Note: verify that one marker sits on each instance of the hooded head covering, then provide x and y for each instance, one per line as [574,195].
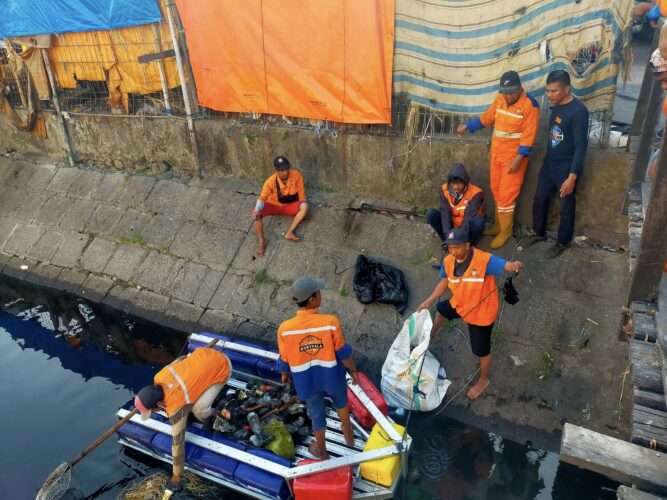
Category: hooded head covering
[458,171]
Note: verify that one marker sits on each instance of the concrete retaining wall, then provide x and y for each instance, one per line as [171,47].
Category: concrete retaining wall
[353,164]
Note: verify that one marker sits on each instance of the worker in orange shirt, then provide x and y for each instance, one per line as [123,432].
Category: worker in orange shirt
[469,274]
[189,384]
[515,116]
[314,355]
[283,194]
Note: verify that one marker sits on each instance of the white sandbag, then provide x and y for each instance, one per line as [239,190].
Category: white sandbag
[400,370]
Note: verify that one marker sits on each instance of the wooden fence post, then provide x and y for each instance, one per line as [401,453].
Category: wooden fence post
[653,245]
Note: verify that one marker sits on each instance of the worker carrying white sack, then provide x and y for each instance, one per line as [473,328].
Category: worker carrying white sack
[409,364]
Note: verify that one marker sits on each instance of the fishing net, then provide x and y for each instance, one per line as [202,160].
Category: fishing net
[56,484]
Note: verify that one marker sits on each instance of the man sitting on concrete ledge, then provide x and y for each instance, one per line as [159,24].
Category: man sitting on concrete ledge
[461,205]
[283,194]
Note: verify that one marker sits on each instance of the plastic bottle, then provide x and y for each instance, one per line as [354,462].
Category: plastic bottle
[255,425]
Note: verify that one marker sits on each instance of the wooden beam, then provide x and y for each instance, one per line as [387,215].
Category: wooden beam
[156,56]
[619,460]
[653,246]
[649,427]
[647,133]
[628,493]
[645,90]
[649,399]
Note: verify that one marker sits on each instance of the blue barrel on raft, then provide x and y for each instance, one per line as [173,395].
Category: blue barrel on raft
[241,361]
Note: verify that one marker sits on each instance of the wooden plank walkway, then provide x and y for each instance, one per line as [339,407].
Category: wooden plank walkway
[649,411]
[617,459]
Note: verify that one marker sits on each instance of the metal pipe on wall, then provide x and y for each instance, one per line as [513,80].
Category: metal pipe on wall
[184,87]
[56,104]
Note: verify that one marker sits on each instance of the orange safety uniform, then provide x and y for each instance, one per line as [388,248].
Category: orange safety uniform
[474,295]
[515,128]
[292,186]
[311,346]
[184,380]
[459,209]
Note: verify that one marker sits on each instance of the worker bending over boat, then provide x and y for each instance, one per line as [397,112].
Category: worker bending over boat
[313,350]
[468,272]
[189,384]
[283,194]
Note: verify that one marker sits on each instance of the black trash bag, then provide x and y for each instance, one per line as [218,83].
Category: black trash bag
[375,281]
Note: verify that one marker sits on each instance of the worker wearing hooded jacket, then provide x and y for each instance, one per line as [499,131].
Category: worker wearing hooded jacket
[190,383]
[515,116]
[461,205]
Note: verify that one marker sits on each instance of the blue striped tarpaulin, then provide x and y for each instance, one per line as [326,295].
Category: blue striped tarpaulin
[449,54]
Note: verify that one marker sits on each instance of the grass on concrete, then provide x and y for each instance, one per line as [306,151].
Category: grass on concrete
[135,238]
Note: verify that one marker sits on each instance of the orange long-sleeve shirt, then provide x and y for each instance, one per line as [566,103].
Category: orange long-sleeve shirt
[293,185]
[515,126]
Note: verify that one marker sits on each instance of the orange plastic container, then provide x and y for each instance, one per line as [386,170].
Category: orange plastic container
[335,484]
[360,412]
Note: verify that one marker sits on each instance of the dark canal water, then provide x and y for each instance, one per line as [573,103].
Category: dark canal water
[66,366]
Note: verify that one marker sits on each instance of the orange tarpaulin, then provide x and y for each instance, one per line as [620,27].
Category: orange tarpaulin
[325,60]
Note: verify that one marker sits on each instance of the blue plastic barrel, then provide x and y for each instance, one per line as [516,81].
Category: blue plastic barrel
[209,461]
[162,444]
[259,480]
[137,434]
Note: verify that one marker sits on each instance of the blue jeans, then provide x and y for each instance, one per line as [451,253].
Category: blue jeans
[475,229]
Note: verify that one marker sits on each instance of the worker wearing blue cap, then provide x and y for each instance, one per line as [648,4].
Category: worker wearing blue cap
[469,273]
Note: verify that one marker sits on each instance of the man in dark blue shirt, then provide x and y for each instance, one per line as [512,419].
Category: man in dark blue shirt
[563,163]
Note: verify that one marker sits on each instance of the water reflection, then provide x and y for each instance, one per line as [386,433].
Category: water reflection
[455,462]
[66,366]
[79,324]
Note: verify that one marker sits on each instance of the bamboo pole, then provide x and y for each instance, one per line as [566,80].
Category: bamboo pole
[56,103]
[184,87]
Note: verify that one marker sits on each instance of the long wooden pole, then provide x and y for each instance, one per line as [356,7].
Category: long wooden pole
[56,104]
[184,87]
[653,245]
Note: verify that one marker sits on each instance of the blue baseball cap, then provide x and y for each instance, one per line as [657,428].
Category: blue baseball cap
[457,236]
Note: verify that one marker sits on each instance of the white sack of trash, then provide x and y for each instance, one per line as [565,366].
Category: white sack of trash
[401,369]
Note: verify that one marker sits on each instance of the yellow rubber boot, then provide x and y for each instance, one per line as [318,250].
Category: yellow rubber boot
[495,229]
[506,221]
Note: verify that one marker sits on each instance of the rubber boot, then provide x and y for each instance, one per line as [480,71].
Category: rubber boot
[506,221]
[495,229]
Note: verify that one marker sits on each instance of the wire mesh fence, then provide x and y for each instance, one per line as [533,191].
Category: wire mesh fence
[132,72]
[16,86]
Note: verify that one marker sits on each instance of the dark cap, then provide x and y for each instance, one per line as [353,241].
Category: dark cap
[147,399]
[457,236]
[281,163]
[509,82]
